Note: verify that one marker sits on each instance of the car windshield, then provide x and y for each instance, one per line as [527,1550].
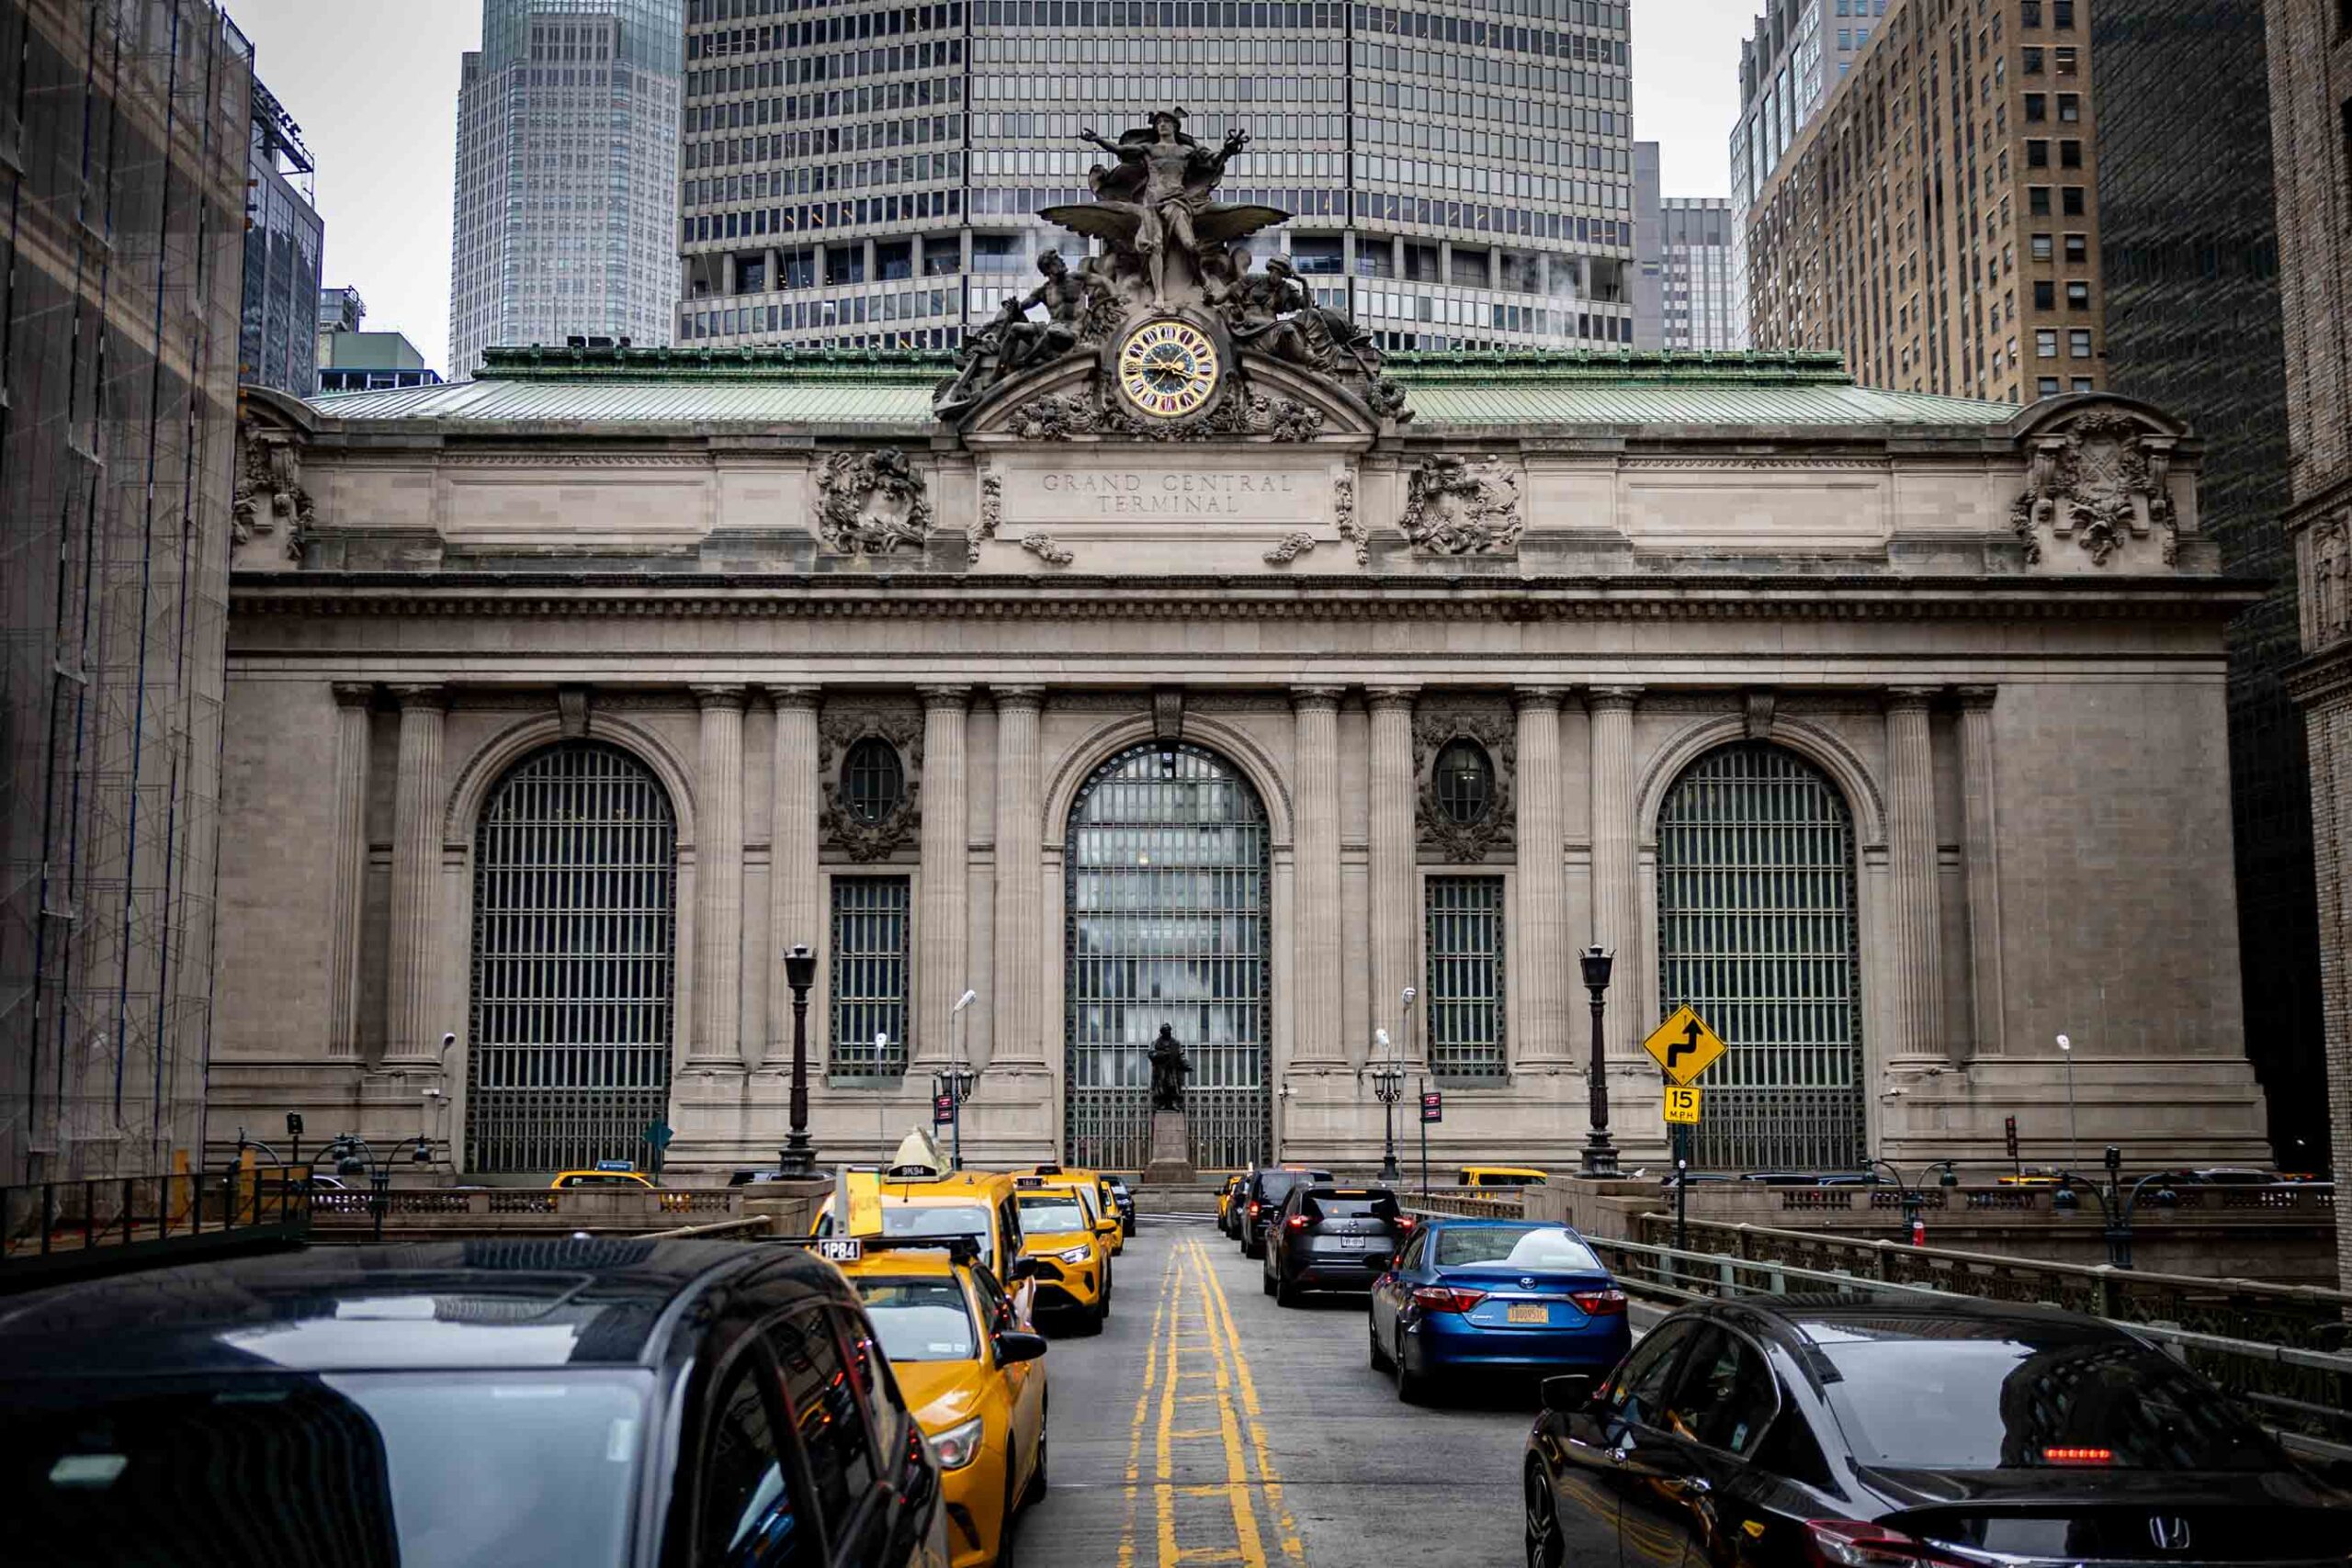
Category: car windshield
[1514,1246]
[2024,1404]
[1276,1184]
[601,1179]
[1051,1213]
[926,1219]
[919,1320]
[415,1468]
[1372,1205]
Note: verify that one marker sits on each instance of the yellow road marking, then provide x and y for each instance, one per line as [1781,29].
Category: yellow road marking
[1143,1411]
[1237,1466]
[1222,1317]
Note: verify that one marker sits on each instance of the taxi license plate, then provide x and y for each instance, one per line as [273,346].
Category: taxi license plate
[1529,1314]
[843,1249]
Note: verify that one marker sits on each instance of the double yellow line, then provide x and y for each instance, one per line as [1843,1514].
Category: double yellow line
[1195,1341]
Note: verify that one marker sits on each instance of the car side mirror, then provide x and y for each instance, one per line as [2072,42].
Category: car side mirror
[1025,1269]
[1018,1345]
[1567,1394]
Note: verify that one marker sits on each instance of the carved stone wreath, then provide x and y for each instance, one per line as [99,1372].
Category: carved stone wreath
[1058,416]
[869,504]
[992,515]
[838,730]
[1456,507]
[1497,734]
[2104,480]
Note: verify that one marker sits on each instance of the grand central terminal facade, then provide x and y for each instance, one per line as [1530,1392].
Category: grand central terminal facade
[1174,660]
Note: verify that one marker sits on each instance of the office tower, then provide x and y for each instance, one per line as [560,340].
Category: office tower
[340,310]
[277,343]
[867,175]
[2309,57]
[127,179]
[351,360]
[1937,220]
[567,195]
[1800,51]
[1683,284]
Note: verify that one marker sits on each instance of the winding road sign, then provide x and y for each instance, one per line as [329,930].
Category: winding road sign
[1684,1045]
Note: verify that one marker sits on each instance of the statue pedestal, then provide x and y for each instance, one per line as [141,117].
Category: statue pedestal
[1172,1152]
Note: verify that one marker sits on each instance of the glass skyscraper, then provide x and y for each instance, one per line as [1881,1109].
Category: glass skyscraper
[864,174]
[567,195]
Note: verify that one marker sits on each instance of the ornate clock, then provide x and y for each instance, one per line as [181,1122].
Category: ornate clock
[1167,369]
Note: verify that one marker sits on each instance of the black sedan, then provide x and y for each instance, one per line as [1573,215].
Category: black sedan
[1884,1432]
[1332,1239]
[566,1401]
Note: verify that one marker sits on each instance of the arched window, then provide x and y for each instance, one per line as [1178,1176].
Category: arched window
[574,961]
[1464,779]
[1756,930]
[873,780]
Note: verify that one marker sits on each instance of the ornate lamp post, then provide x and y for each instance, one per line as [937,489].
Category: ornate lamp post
[1599,1153]
[353,1155]
[1388,1083]
[799,1156]
[957,1080]
[2114,1204]
[1915,1229]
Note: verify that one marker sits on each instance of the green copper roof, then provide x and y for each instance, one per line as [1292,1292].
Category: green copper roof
[891,390]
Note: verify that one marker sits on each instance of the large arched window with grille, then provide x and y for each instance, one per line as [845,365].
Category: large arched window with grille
[1756,930]
[574,961]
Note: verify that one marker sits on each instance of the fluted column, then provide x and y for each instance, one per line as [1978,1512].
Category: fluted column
[1540,890]
[719,879]
[796,896]
[1393,906]
[350,868]
[1981,783]
[1315,1029]
[410,1032]
[941,935]
[1614,894]
[1915,985]
[1016,976]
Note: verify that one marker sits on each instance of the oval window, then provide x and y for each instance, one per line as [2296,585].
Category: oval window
[1465,783]
[873,783]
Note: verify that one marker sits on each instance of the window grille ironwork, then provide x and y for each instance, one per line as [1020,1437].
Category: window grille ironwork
[1757,931]
[1168,877]
[574,962]
[872,939]
[873,780]
[1464,776]
[1465,947]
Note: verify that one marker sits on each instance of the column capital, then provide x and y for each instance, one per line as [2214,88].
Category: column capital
[799,699]
[1901,697]
[352,693]
[1030,697]
[1380,697]
[937,697]
[1525,697]
[1604,699]
[715,696]
[1978,696]
[421,695]
[1311,699]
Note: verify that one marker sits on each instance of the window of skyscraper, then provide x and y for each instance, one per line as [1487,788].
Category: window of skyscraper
[2078,343]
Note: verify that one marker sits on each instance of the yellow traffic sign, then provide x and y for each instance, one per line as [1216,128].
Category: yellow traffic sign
[1682,1103]
[1684,1045]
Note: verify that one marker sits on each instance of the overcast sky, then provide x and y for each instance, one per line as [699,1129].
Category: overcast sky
[373,84]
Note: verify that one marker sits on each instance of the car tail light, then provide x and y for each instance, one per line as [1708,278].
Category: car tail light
[1296,1222]
[1253,1208]
[1850,1543]
[1601,1304]
[1404,1221]
[2078,1456]
[1446,1298]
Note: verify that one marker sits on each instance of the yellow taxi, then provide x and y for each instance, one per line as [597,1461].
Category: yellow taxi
[916,1195]
[1224,1203]
[971,1370]
[1106,1205]
[609,1173]
[1501,1176]
[1062,1240]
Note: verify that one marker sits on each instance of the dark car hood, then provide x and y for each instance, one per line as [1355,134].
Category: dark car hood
[1911,1489]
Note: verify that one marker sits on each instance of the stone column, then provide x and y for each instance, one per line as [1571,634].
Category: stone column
[718,880]
[350,868]
[1018,1007]
[1541,887]
[1615,895]
[411,1035]
[1315,1022]
[1981,782]
[940,950]
[1916,981]
[796,891]
[1393,906]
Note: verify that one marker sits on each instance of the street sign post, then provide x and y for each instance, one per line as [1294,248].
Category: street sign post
[1433,1109]
[2009,1129]
[1683,1104]
[1683,1046]
[658,1134]
[943,1109]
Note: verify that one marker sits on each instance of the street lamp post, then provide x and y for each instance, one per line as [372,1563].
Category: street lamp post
[2073,1139]
[799,1156]
[2116,1205]
[353,1155]
[957,1080]
[1388,1083]
[1600,1155]
[1915,1229]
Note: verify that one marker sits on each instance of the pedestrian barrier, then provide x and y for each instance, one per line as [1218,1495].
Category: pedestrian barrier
[55,1229]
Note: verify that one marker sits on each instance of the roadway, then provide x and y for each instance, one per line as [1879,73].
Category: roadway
[1207,1425]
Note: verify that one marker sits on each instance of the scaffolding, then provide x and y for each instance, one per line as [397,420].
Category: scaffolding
[124,129]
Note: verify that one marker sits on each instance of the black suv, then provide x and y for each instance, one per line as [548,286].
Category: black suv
[1261,1195]
[1332,1239]
[607,1401]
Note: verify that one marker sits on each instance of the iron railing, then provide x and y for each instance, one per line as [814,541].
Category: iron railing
[53,1229]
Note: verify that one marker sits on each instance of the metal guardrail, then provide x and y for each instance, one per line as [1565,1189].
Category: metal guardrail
[2314,1200]
[53,1229]
[600,1203]
[1481,1202]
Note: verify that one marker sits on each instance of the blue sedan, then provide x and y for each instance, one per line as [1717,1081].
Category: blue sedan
[1495,1295]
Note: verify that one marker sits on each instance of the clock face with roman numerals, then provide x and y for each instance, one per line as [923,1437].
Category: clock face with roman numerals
[1167,369]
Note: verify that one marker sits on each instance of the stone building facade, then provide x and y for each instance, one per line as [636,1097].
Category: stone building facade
[1887,728]
[2310,60]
